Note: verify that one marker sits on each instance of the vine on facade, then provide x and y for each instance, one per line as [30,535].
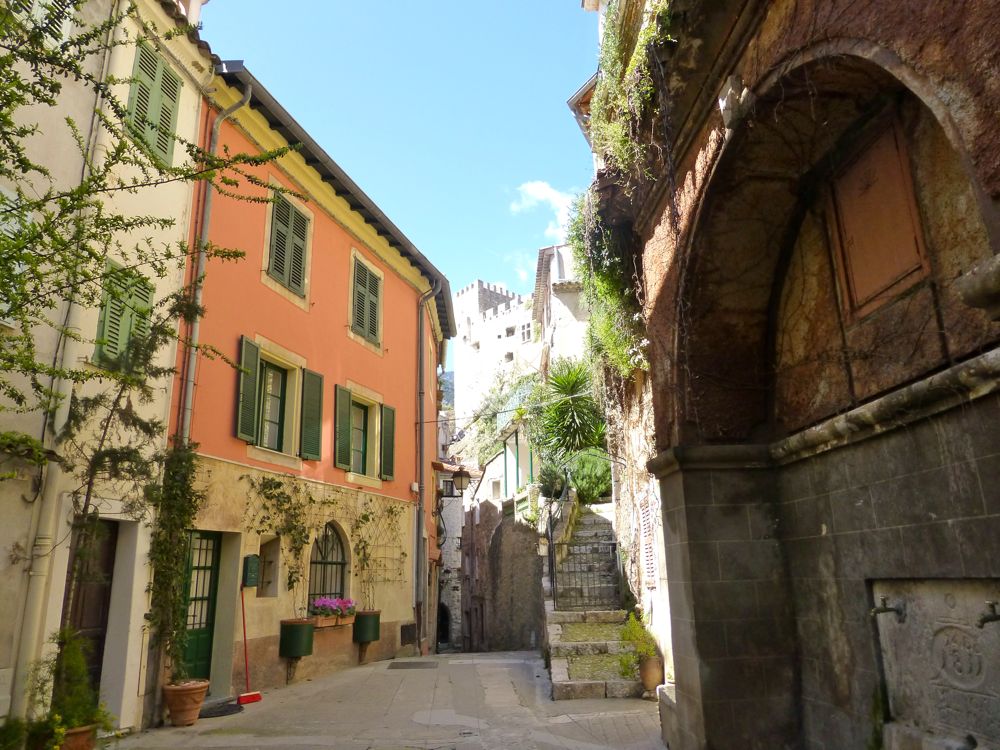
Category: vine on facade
[612,288]
[625,88]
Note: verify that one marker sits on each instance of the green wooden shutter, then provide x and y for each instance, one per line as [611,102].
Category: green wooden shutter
[297,259]
[141,304]
[58,19]
[311,430]
[388,453]
[360,298]
[144,97]
[342,430]
[153,102]
[116,316]
[374,298]
[246,405]
[166,117]
[281,220]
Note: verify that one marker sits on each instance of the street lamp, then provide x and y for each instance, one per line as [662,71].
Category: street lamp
[461,479]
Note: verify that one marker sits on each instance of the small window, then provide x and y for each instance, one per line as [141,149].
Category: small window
[365,436]
[448,488]
[510,331]
[508,357]
[153,101]
[271,425]
[526,332]
[125,313]
[475,346]
[359,438]
[327,565]
[270,556]
[366,302]
[287,249]
[878,237]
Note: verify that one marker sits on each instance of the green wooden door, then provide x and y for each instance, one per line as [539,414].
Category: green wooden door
[203,583]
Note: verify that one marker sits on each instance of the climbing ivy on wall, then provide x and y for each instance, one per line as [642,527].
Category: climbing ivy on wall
[625,87]
[611,287]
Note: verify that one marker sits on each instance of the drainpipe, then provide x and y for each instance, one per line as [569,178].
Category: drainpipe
[206,213]
[420,577]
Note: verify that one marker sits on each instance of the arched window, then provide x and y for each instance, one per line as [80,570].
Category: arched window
[327,565]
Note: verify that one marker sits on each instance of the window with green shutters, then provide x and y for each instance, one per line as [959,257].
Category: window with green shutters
[125,313]
[366,302]
[153,101]
[287,261]
[56,16]
[354,427]
[262,413]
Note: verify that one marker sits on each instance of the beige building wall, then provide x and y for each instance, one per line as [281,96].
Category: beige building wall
[24,520]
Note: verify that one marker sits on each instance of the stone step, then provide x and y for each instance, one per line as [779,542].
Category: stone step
[591,533]
[564,688]
[576,565]
[577,648]
[582,581]
[558,616]
[593,519]
[590,548]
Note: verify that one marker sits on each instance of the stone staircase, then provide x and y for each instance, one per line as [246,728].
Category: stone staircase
[582,635]
[587,568]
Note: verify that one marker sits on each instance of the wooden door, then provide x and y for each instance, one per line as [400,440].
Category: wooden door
[92,596]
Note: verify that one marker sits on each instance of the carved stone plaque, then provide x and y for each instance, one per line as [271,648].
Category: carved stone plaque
[941,670]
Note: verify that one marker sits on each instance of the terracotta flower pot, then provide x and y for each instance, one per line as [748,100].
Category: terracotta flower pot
[650,672]
[184,701]
[80,738]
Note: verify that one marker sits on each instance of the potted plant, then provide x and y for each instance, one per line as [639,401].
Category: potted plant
[649,661]
[176,502]
[74,713]
[330,611]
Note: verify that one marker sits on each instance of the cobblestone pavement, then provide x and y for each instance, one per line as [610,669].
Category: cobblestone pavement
[453,702]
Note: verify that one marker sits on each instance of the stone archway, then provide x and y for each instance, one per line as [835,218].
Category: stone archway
[766,190]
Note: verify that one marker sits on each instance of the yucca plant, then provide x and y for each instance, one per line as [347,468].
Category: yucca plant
[571,420]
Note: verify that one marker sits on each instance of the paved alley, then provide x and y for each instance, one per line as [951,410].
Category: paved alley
[453,702]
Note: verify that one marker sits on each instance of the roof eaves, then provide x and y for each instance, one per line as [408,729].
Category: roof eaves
[281,120]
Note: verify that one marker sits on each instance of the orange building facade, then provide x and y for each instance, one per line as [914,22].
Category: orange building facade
[331,330]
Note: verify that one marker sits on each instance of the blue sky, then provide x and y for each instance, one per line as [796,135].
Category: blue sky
[451,114]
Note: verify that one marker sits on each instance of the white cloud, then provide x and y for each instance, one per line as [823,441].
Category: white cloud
[522,263]
[540,193]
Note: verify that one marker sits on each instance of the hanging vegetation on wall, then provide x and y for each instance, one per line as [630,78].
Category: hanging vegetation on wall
[612,288]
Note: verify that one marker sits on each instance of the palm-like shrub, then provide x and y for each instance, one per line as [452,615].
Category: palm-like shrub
[571,420]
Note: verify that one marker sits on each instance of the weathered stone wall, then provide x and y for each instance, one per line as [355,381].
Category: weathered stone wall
[776,545]
[920,502]
[514,589]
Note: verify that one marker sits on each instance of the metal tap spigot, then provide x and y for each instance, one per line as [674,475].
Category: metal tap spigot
[990,615]
[884,608]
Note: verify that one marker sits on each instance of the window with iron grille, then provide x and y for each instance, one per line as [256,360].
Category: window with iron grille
[327,565]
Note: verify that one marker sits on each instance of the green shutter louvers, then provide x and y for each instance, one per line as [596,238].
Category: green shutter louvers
[311,429]
[289,231]
[388,449]
[342,429]
[125,313]
[153,102]
[246,404]
[366,301]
